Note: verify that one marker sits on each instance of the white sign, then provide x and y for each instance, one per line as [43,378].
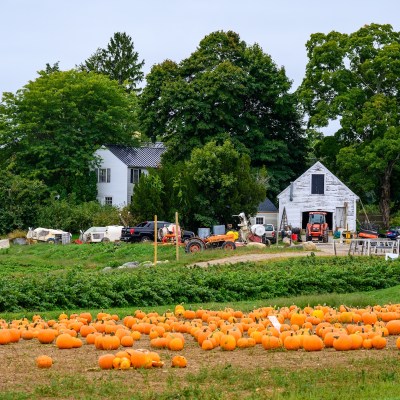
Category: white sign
[274,321]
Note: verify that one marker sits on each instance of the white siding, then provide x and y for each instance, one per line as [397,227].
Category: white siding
[117,188]
[336,196]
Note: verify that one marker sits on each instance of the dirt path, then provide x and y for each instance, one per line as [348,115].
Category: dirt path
[323,250]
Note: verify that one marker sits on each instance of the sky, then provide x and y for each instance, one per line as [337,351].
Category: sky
[34,33]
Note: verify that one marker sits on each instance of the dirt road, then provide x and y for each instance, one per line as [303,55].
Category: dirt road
[323,250]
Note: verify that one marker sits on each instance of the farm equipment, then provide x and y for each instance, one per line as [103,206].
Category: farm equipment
[225,242]
[317,227]
[247,233]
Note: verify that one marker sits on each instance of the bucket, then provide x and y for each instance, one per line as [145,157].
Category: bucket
[203,232]
[294,237]
[219,229]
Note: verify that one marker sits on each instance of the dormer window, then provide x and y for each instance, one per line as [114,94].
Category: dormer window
[317,184]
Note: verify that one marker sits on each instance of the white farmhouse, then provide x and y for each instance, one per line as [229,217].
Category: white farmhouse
[120,170]
[318,190]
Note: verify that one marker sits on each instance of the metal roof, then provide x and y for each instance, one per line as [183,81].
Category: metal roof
[145,156]
[267,206]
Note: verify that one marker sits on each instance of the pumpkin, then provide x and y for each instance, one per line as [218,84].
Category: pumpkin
[110,342]
[270,342]
[44,361]
[312,343]
[106,361]
[64,341]
[127,341]
[179,362]
[5,336]
[176,344]
[46,336]
[342,342]
[291,342]
[228,342]
[379,342]
[393,327]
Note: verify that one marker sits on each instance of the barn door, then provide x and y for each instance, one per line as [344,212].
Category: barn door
[340,217]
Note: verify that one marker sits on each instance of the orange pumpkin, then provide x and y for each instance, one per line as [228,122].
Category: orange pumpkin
[179,362]
[106,361]
[44,361]
[312,343]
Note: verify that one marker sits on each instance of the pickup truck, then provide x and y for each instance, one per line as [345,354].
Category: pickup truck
[144,232]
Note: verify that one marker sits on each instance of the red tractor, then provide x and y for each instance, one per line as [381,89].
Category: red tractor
[317,227]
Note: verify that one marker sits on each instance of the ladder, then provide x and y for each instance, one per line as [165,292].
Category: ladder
[284,221]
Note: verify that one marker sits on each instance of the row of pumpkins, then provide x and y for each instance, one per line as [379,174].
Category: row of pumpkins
[290,328]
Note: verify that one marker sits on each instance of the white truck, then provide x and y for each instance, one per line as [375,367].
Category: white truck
[103,234]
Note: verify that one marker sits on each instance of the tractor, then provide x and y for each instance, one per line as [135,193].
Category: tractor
[317,227]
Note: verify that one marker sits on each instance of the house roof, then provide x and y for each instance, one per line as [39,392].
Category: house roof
[318,167]
[143,156]
[267,206]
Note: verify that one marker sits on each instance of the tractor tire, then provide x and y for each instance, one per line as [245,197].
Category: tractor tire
[105,240]
[194,246]
[51,241]
[228,245]
[308,238]
[325,237]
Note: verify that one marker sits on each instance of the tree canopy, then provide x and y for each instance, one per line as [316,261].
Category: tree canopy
[119,61]
[50,129]
[355,77]
[226,90]
[214,184]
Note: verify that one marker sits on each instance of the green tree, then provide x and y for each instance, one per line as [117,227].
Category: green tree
[50,129]
[147,198]
[226,90]
[223,184]
[354,77]
[20,199]
[119,61]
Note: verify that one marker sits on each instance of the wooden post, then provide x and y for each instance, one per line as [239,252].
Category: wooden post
[177,235]
[155,240]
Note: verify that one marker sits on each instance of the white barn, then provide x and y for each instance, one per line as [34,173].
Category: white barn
[120,170]
[318,190]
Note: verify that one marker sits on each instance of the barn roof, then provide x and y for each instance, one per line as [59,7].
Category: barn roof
[318,167]
[144,156]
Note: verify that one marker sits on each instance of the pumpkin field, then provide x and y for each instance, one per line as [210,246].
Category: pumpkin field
[304,328]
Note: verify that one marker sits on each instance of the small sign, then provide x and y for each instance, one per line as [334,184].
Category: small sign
[274,321]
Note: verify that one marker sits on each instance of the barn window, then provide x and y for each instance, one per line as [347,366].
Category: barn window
[135,175]
[260,220]
[317,184]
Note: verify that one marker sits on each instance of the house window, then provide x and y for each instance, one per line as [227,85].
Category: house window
[260,220]
[108,201]
[317,184]
[135,175]
[103,175]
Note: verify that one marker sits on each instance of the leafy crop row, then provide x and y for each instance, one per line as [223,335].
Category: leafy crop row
[165,284]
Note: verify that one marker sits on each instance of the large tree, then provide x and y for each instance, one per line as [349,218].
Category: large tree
[355,78]
[226,90]
[119,61]
[50,129]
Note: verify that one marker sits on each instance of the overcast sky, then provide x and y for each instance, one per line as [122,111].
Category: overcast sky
[33,33]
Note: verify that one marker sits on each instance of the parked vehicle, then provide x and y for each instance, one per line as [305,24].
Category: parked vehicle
[104,234]
[144,232]
[270,233]
[317,227]
[393,233]
[48,235]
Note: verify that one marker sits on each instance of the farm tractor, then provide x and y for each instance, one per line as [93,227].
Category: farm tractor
[317,227]
[246,234]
